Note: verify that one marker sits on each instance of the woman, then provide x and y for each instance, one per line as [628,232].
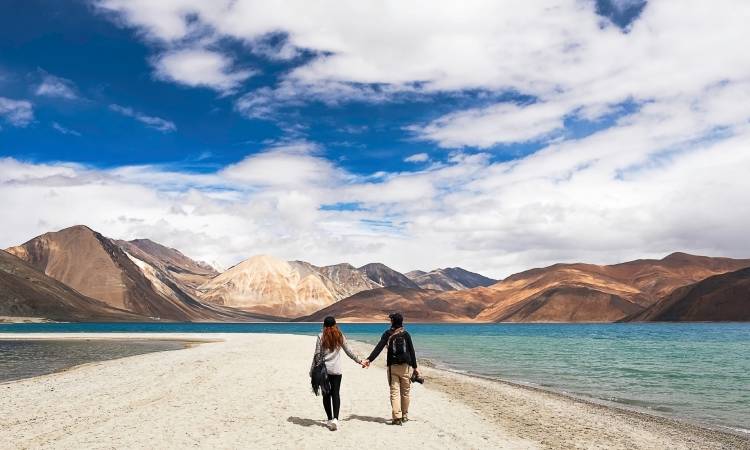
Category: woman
[329,345]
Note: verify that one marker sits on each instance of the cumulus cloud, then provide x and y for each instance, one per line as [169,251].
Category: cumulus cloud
[289,164]
[157,123]
[609,197]
[52,86]
[18,113]
[200,67]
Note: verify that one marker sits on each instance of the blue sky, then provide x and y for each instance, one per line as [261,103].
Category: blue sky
[105,64]
[492,136]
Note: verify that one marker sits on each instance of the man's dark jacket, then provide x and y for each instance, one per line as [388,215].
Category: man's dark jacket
[410,356]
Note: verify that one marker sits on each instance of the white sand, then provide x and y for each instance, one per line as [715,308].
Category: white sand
[240,393]
[252,391]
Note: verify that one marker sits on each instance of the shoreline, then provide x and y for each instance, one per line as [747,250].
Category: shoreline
[71,365]
[618,408]
[526,413]
[592,401]
[446,378]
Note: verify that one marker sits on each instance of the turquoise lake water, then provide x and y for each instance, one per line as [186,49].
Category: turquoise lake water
[696,371]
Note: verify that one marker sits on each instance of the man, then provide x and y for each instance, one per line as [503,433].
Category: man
[401,360]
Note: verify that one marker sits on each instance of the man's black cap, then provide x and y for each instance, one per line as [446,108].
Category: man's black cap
[396,319]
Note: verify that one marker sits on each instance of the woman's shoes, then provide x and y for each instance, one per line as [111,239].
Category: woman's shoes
[333,425]
[397,422]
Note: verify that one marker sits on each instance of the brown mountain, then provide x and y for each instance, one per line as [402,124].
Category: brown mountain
[348,279]
[449,279]
[417,305]
[656,278]
[724,297]
[561,293]
[593,293]
[267,285]
[26,292]
[386,277]
[98,268]
[189,272]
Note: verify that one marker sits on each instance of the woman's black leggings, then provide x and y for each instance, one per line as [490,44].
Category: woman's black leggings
[333,399]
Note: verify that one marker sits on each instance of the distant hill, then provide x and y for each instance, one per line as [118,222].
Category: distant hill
[189,272]
[82,275]
[26,292]
[269,285]
[347,279]
[386,277]
[99,268]
[559,293]
[170,272]
[449,279]
[656,278]
[719,298]
[417,305]
[593,293]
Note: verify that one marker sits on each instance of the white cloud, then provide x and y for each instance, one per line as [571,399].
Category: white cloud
[417,158]
[500,124]
[64,130]
[200,67]
[609,197]
[18,113]
[290,164]
[157,123]
[52,86]
[558,52]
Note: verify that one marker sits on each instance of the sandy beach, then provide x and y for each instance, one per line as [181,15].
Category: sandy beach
[252,391]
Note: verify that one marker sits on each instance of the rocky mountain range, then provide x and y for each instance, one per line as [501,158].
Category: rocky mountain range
[450,279]
[103,269]
[27,292]
[78,274]
[290,289]
[417,305]
[720,298]
[559,293]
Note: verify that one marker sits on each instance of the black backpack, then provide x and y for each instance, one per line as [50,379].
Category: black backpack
[399,352]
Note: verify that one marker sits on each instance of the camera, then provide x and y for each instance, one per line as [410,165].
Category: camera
[416,378]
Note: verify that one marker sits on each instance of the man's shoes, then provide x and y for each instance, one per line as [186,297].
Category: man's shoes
[397,422]
[405,419]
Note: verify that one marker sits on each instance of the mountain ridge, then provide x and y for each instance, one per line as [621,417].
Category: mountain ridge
[150,280]
[720,298]
[98,267]
[449,279]
[27,292]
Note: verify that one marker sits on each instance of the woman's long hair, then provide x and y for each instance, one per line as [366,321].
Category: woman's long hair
[332,338]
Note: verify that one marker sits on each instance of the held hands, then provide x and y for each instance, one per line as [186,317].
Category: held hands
[365,363]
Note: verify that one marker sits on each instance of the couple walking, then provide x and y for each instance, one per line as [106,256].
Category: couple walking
[401,360]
